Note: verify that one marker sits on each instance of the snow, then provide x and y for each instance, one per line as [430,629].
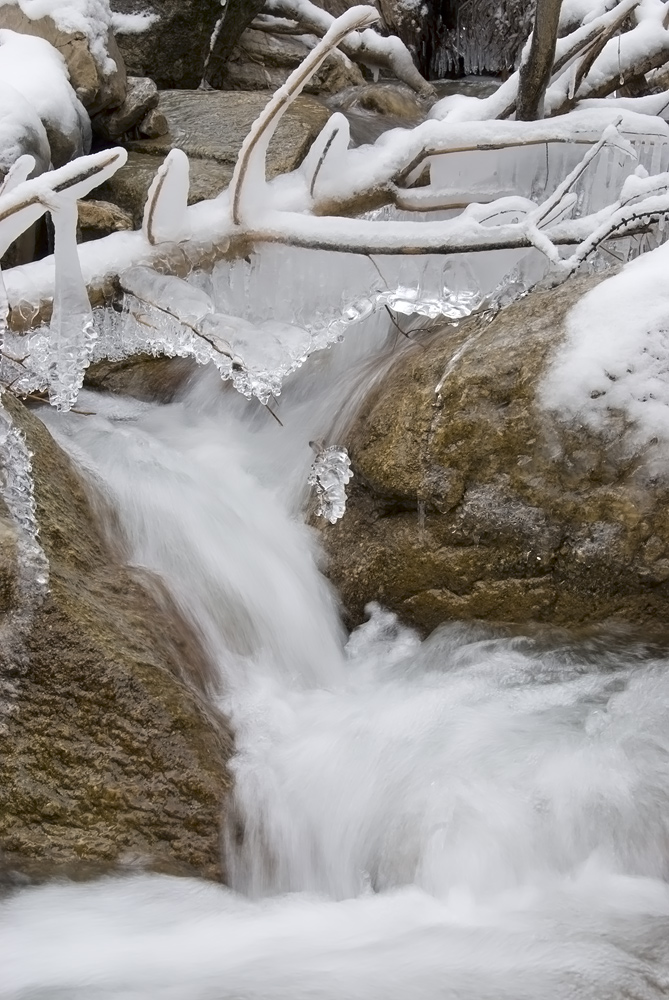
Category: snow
[132,24]
[21,131]
[615,357]
[93,18]
[38,71]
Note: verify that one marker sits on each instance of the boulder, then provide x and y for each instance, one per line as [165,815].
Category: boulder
[263,61]
[470,501]
[141,98]
[84,39]
[174,49]
[110,755]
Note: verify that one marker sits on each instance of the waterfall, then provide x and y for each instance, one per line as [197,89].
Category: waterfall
[470,816]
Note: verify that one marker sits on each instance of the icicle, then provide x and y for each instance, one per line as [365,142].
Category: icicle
[329,474]
[16,488]
[72,330]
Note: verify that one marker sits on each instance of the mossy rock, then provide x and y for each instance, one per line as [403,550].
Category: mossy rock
[111,754]
[471,502]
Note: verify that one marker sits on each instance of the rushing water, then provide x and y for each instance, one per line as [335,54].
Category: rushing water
[472,816]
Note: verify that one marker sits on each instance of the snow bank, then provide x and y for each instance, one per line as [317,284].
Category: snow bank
[616,353]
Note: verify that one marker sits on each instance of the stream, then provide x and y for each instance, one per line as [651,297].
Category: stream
[469,816]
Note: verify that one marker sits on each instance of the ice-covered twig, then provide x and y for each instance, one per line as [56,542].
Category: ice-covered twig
[366,47]
[23,204]
[167,201]
[250,167]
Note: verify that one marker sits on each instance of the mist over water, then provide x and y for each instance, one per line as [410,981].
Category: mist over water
[471,816]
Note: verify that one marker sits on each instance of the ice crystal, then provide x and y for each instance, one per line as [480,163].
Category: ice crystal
[329,474]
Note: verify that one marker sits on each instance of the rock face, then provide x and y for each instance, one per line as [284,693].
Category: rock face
[109,754]
[473,503]
[210,127]
[174,50]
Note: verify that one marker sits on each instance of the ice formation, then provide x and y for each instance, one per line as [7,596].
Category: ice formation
[329,475]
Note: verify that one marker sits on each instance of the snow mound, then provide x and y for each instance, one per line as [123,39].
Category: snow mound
[616,354]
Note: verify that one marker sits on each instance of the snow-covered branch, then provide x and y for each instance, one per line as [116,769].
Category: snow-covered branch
[366,47]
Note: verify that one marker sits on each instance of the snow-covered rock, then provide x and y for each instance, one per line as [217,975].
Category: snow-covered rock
[38,71]
[21,131]
[81,31]
[472,500]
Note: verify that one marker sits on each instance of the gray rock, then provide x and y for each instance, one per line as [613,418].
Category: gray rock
[477,504]
[141,97]
[110,755]
[213,125]
[153,125]
[174,50]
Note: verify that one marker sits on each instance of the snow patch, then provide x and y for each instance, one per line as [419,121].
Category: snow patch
[132,24]
[616,354]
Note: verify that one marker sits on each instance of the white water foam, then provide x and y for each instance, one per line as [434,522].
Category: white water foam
[472,816]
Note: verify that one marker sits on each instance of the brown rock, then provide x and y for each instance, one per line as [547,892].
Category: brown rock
[153,125]
[474,503]
[100,218]
[110,755]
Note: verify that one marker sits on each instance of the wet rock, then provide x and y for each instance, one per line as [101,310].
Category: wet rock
[110,756]
[154,380]
[100,218]
[174,49]
[263,61]
[472,502]
[141,97]
[98,77]
[393,99]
